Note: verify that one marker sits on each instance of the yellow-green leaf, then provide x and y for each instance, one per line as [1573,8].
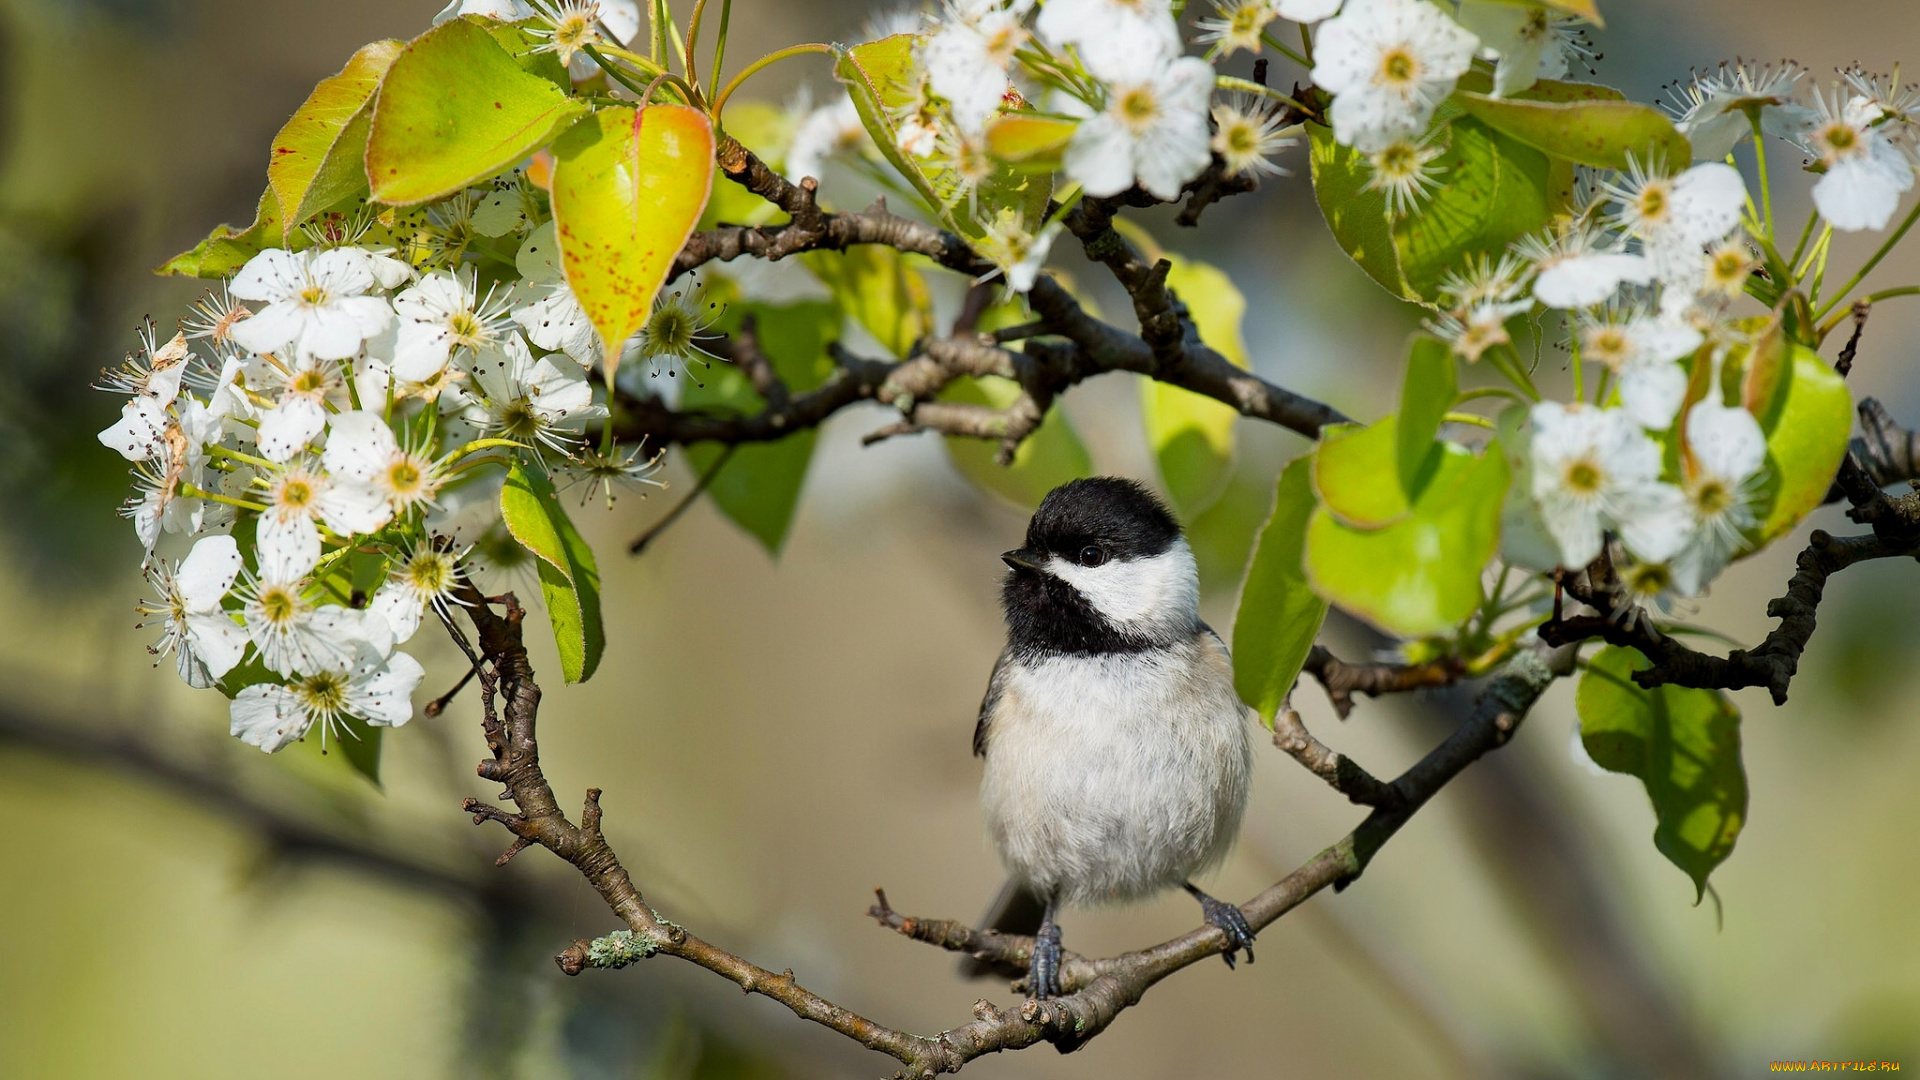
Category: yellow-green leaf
[1030,139]
[1419,575]
[628,189]
[1683,744]
[319,157]
[1431,386]
[569,577]
[454,109]
[1490,189]
[1279,613]
[1806,440]
[1356,475]
[1604,134]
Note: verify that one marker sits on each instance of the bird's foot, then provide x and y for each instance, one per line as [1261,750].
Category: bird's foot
[1043,975]
[1230,921]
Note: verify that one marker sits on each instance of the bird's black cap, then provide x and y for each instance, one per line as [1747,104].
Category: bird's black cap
[1124,517]
[1048,616]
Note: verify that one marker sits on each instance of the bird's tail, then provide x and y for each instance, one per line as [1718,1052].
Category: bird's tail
[1017,910]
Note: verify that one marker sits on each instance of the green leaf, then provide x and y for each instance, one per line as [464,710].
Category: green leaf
[569,578]
[1049,457]
[759,487]
[1430,390]
[1420,575]
[319,157]
[454,109]
[1480,81]
[1491,189]
[1355,473]
[1806,441]
[521,43]
[1279,613]
[1603,134]
[1191,434]
[1031,140]
[226,250]
[879,76]
[628,189]
[880,287]
[1683,744]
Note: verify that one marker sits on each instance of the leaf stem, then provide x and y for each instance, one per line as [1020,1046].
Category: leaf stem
[719,48]
[1801,247]
[1273,42]
[720,100]
[693,41]
[1760,162]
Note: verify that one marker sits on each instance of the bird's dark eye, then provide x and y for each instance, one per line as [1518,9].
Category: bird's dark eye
[1092,555]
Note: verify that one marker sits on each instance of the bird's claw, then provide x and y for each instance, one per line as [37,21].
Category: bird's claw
[1230,921]
[1043,974]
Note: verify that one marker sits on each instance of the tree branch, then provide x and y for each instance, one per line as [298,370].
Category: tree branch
[1342,680]
[1099,990]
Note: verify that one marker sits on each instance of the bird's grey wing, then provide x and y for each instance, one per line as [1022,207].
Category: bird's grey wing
[995,684]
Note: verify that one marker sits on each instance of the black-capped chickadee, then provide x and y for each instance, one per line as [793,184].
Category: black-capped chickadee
[1116,748]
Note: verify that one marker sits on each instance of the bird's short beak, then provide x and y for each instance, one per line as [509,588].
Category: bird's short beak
[1023,559]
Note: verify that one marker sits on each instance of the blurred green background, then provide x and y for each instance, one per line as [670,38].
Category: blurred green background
[777,737]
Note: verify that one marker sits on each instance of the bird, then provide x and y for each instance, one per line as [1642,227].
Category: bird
[1115,747]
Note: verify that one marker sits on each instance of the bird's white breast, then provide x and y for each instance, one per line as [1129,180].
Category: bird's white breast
[1113,776]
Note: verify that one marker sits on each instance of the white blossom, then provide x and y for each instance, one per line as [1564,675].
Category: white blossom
[544,402]
[1593,470]
[1714,107]
[1643,353]
[1722,477]
[205,641]
[361,449]
[1247,135]
[1153,131]
[966,61]
[1673,216]
[440,318]
[370,686]
[1308,11]
[1017,252]
[316,304]
[424,574]
[546,309]
[1388,63]
[1531,43]
[1572,270]
[297,636]
[1236,25]
[141,430]
[1866,174]
[154,372]
[1116,39]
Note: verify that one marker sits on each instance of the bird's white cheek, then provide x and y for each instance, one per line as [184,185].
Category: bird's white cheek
[1138,593]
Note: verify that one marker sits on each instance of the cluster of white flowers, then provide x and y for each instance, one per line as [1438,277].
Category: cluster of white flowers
[337,411]
[1145,112]
[1859,132]
[1646,269]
